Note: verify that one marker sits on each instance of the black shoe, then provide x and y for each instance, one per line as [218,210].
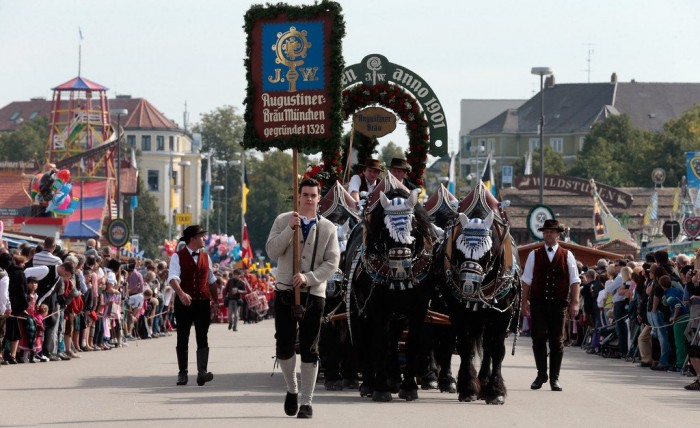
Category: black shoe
[229,326]
[305,412]
[643,364]
[182,378]
[660,368]
[555,385]
[539,381]
[204,377]
[291,405]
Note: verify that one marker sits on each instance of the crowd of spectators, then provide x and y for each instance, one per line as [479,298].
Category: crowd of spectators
[56,304]
[646,312]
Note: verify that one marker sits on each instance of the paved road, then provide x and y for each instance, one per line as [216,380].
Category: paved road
[135,387]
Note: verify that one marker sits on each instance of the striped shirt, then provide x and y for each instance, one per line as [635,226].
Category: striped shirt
[45,258]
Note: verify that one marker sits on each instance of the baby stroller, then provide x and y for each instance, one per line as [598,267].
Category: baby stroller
[609,342]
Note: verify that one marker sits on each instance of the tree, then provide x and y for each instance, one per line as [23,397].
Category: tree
[553,163]
[222,132]
[679,136]
[149,223]
[28,142]
[390,151]
[270,194]
[616,153]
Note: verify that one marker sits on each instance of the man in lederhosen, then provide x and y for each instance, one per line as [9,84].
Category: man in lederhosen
[194,283]
[319,260]
[550,288]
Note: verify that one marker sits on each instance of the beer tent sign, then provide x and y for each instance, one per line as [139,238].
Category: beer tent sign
[294,65]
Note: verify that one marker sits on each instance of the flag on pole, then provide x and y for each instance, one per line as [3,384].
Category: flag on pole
[598,223]
[245,191]
[451,183]
[653,214]
[528,163]
[206,198]
[487,176]
[676,199]
[172,189]
[80,33]
[134,199]
[246,251]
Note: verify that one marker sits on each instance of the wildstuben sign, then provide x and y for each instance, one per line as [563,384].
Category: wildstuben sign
[579,186]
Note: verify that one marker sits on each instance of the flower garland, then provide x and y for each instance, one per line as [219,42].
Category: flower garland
[405,106]
[327,172]
[336,66]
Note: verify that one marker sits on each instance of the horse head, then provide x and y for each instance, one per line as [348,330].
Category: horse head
[473,251]
[396,235]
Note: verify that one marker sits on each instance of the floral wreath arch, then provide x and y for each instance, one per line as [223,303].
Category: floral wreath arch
[400,102]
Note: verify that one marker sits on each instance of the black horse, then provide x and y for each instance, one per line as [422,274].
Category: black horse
[388,260]
[481,285]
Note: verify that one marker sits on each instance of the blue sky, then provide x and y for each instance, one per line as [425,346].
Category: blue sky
[177,51]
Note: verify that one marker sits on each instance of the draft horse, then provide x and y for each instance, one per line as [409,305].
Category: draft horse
[480,277]
[389,258]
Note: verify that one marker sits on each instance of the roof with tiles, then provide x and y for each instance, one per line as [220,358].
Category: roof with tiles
[12,186]
[142,114]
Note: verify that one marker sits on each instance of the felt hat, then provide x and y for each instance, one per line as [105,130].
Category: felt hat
[551,225]
[399,163]
[374,164]
[191,232]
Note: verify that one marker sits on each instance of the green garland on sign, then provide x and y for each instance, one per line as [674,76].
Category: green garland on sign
[337,63]
[405,106]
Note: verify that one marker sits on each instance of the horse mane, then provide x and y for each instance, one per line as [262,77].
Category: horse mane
[375,229]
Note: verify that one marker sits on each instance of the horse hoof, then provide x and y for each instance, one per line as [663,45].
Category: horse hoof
[366,390]
[394,386]
[349,384]
[381,397]
[408,394]
[496,400]
[467,398]
[448,385]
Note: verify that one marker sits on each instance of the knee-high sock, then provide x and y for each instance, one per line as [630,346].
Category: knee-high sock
[289,371]
[309,371]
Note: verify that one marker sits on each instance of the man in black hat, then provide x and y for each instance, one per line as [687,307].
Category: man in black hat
[550,287]
[192,278]
[399,168]
[366,180]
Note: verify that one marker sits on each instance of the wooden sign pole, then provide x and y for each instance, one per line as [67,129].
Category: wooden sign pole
[296,250]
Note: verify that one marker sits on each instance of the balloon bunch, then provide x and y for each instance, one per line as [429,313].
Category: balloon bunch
[52,189]
[169,246]
[223,249]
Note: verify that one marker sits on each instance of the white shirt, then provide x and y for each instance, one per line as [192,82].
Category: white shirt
[570,263]
[356,182]
[5,294]
[175,268]
[611,287]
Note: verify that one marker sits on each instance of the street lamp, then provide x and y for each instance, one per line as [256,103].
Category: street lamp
[541,71]
[119,112]
[477,149]
[218,188]
[183,165]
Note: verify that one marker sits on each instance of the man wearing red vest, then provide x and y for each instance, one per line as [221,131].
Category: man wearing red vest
[194,283]
[550,287]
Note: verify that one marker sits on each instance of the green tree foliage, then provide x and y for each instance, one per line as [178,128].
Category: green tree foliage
[222,132]
[270,180]
[616,153]
[391,150]
[679,136]
[553,164]
[149,223]
[28,142]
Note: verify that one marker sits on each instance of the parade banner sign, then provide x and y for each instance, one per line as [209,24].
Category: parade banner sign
[294,69]
[374,122]
[692,160]
[580,186]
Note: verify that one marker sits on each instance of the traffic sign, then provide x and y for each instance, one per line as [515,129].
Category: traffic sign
[183,218]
